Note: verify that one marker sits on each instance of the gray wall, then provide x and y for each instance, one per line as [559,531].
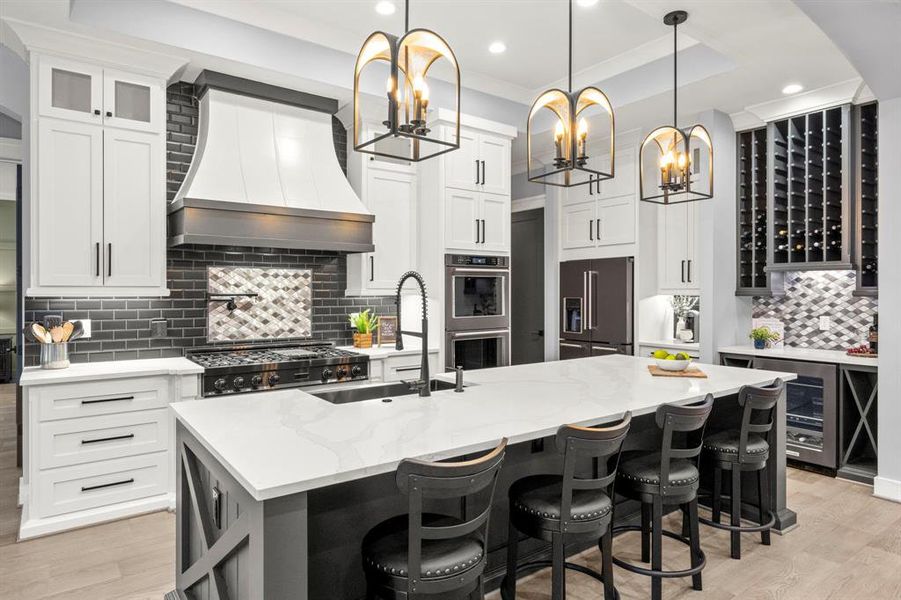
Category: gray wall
[10,128]
[122,325]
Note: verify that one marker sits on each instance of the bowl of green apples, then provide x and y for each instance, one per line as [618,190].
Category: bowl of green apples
[668,361]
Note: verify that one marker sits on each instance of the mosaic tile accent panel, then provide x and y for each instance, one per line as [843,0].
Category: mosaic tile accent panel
[282,310]
[812,294]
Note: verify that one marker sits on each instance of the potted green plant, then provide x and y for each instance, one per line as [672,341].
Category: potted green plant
[763,336]
[364,324]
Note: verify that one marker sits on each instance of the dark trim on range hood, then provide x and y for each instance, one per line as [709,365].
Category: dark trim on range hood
[264,91]
[215,222]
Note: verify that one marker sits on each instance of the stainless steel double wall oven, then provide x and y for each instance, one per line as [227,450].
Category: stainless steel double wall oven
[477,311]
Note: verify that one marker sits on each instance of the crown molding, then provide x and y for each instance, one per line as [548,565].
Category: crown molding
[843,92]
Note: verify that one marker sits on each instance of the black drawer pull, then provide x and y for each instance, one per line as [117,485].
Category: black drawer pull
[127,436]
[108,400]
[88,488]
[404,369]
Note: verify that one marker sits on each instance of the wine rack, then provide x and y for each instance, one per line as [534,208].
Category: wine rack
[867,199]
[752,212]
[810,192]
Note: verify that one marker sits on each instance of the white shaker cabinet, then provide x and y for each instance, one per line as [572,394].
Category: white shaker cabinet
[677,264]
[97,203]
[480,164]
[590,220]
[461,166]
[477,222]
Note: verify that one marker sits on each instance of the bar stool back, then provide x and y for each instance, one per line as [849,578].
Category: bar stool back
[423,553]
[664,477]
[745,449]
[547,507]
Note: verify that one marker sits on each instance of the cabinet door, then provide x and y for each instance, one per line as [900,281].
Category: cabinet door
[494,162]
[578,215]
[495,215]
[390,196]
[461,167]
[134,204]
[673,244]
[70,90]
[68,218]
[615,221]
[692,268]
[461,220]
[132,102]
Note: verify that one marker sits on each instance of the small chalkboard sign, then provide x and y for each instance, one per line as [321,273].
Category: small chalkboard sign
[387,330]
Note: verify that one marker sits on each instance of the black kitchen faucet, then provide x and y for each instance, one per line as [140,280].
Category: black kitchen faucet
[423,383]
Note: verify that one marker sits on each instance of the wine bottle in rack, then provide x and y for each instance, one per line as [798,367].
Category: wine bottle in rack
[782,247]
[799,247]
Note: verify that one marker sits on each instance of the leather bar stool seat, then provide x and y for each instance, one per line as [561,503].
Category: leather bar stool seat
[723,446]
[385,550]
[640,472]
[539,496]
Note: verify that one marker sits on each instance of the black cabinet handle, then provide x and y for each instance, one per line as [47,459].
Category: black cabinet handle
[483,172]
[97,259]
[683,271]
[477,171]
[371,268]
[109,113]
[590,231]
[97,111]
[483,231]
[217,507]
[109,439]
[109,260]
[689,271]
[597,182]
[591,185]
[108,400]
[597,225]
[477,231]
[88,488]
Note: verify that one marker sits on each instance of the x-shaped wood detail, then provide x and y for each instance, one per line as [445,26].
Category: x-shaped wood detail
[864,410]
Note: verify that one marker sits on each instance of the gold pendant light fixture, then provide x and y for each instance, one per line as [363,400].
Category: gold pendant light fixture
[676,165]
[581,127]
[407,67]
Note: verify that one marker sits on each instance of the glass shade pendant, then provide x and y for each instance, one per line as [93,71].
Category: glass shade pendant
[570,135]
[676,165]
[404,68]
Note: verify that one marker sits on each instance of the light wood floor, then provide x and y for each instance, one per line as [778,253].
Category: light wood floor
[848,546]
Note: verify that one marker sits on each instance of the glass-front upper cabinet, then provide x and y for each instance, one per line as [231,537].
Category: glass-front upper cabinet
[91,94]
[70,90]
[131,102]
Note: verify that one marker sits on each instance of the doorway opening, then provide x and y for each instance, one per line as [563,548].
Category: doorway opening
[527,287]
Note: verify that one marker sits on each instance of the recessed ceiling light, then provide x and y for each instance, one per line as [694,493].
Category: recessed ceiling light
[497,47]
[586,3]
[385,8]
[792,88]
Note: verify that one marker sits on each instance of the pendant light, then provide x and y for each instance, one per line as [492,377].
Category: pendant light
[405,68]
[581,127]
[676,165]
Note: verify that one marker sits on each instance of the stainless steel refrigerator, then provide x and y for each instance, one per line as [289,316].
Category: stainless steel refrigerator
[596,307]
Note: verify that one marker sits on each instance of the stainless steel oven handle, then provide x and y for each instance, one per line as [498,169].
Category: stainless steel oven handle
[592,324]
[488,332]
[565,345]
[476,270]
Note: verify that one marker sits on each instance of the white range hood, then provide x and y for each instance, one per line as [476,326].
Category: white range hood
[265,173]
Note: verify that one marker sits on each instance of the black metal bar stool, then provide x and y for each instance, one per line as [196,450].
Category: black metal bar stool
[550,507]
[741,450]
[662,478]
[421,553]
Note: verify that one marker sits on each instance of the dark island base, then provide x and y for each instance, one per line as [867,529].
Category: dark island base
[307,545]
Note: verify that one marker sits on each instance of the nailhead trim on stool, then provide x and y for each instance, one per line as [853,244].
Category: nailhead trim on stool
[577,517]
[438,573]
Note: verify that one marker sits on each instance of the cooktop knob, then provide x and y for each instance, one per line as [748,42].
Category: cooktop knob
[219,384]
[327,374]
[256,381]
[238,382]
[356,371]
[342,372]
[273,379]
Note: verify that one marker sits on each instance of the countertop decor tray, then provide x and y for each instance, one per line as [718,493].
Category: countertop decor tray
[695,373]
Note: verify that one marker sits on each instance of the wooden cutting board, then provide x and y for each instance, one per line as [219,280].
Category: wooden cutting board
[690,372]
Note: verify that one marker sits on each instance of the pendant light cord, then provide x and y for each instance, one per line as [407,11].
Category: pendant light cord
[406,16]
[675,74]
[570,84]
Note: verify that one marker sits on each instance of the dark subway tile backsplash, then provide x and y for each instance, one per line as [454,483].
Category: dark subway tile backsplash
[121,326]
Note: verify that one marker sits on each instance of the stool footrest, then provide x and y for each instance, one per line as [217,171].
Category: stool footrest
[740,528]
[653,572]
[541,564]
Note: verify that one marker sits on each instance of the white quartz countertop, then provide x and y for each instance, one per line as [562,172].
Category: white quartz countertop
[283,442]
[111,369]
[410,347]
[667,344]
[838,357]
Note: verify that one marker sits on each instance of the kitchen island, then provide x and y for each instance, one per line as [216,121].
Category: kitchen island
[276,489]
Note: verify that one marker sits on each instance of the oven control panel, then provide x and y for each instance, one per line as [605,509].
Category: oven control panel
[470,260]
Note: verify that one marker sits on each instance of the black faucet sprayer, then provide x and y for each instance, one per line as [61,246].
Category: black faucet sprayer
[424,334]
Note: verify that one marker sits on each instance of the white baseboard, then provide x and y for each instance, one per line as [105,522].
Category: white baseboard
[30,528]
[888,489]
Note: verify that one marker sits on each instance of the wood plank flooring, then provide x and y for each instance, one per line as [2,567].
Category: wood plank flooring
[847,546]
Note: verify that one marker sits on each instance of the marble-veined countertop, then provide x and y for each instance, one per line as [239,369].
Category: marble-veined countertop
[282,442]
[838,357]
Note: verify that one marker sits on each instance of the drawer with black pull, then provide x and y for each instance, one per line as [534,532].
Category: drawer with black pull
[76,441]
[85,399]
[98,484]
